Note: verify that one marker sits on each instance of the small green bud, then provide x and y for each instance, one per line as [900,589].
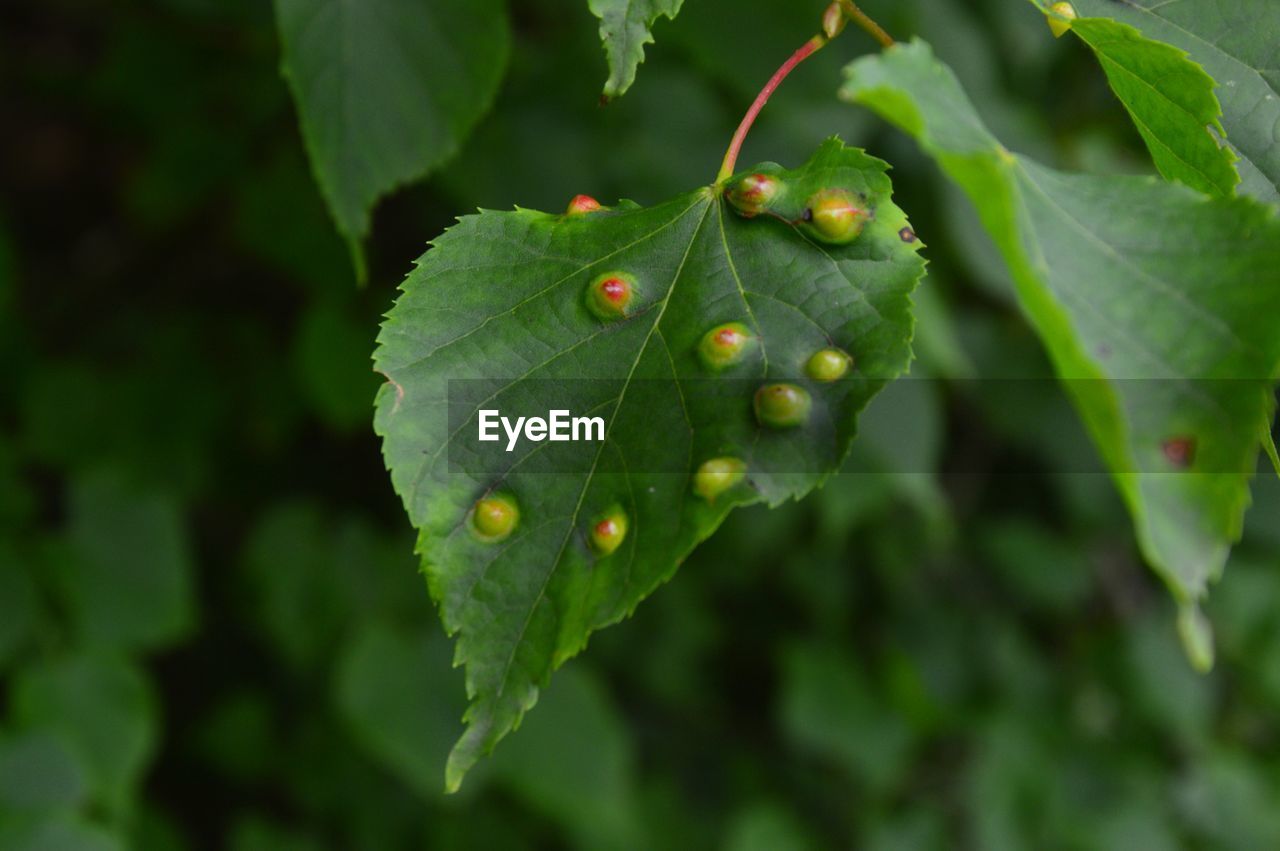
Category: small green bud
[582,204]
[609,295]
[828,364]
[782,405]
[836,216]
[609,531]
[724,345]
[751,195]
[717,475]
[1060,16]
[833,20]
[494,517]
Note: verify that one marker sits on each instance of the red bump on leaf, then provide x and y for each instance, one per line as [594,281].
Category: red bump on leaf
[752,194]
[836,216]
[610,294]
[582,204]
[1179,451]
[724,345]
[609,531]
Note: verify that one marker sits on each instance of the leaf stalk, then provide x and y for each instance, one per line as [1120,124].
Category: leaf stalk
[850,11]
[859,17]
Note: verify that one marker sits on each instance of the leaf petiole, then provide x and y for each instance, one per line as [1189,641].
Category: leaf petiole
[806,50]
[850,11]
[859,17]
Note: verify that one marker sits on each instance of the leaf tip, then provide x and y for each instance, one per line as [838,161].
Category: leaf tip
[1196,633]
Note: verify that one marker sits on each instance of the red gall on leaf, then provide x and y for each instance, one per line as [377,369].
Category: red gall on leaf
[582,204]
[610,294]
[724,345]
[752,194]
[836,216]
[608,531]
[1179,451]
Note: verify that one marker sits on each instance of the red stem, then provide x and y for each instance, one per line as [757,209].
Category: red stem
[731,156]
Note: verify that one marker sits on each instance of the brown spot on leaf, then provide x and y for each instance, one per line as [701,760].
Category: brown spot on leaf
[907,235]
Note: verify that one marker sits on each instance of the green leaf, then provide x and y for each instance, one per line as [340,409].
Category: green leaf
[1157,306]
[387,89]
[574,761]
[625,30]
[766,826]
[1171,101]
[127,580]
[830,709]
[311,575]
[20,607]
[330,361]
[39,772]
[56,833]
[102,708]
[1235,42]
[500,299]
[396,690]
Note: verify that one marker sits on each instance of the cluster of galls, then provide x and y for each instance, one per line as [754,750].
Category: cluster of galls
[777,405]
[834,216]
[495,517]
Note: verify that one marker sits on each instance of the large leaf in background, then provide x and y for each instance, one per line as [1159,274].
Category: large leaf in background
[1171,101]
[59,832]
[572,759]
[1157,305]
[625,30]
[386,90]
[127,581]
[500,297]
[1235,41]
[102,708]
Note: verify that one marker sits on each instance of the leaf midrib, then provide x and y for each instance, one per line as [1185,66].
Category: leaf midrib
[430,461]
[586,483]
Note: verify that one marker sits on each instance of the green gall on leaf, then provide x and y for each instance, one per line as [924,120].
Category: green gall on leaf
[836,216]
[829,365]
[782,405]
[581,204]
[494,518]
[725,345]
[1060,16]
[610,294]
[752,194]
[608,531]
[718,475]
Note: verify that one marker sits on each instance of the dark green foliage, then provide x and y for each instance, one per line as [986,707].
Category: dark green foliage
[213,628]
